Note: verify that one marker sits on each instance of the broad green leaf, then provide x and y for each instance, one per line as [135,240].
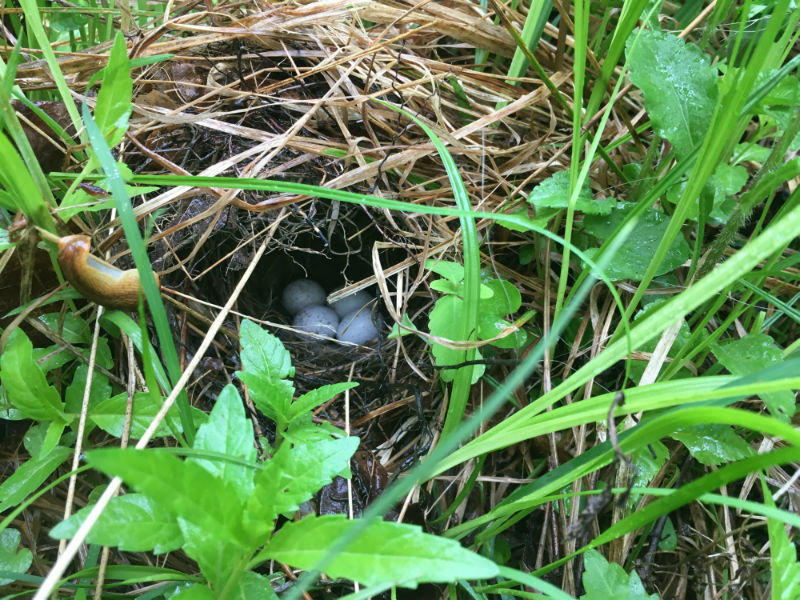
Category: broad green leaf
[713,444]
[218,557]
[632,259]
[648,461]
[292,476]
[114,98]
[25,383]
[252,586]
[383,553]
[719,190]
[132,522]
[310,400]
[109,416]
[303,431]
[10,558]
[603,580]
[397,332]
[679,86]
[669,537]
[750,354]
[70,327]
[195,591]
[445,322]
[272,397]
[505,299]
[185,489]
[553,192]
[263,354]
[228,431]
[448,287]
[30,475]
[73,395]
[451,271]
[784,566]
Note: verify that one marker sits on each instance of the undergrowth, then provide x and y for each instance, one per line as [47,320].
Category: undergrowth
[578,227]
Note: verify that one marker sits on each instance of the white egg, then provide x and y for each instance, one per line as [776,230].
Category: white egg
[301,293]
[351,303]
[320,320]
[357,327]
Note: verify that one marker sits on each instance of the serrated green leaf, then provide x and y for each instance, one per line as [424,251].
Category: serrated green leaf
[713,444]
[750,354]
[132,522]
[185,489]
[25,383]
[553,192]
[228,431]
[263,354]
[217,556]
[292,476]
[109,415]
[11,559]
[272,397]
[383,553]
[603,580]
[30,475]
[310,400]
[632,259]
[679,86]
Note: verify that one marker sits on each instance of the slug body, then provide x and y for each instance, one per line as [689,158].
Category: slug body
[94,278]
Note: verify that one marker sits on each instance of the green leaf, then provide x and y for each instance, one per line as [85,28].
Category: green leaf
[648,461]
[219,558]
[29,476]
[132,522]
[505,299]
[603,580]
[383,553]
[718,191]
[310,400]
[679,85]
[292,476]
[73,329]
[445,321]
[397,332]
[553,192]
[263,354]
[114,98]
[750,354]
[452,271]
[73,396]
[25,383]
[11,559]
[109,415]
[713,444]
[252,586]
[195,591]
[272,397]
[185,489]
[632,259]
[228,431]
[784,566]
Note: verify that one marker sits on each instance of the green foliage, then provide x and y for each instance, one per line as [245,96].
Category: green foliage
[679,85]
[603,580]
[755,352]
[785,566]
[383,553]
[633,258]
[553,193]
[713,444]
[11,559]
[26,384]
[498,298]
[30,476]
[220,504]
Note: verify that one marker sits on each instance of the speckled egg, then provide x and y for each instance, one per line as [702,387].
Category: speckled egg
[357,327]
[351,303]
[320,320]
[301,293]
